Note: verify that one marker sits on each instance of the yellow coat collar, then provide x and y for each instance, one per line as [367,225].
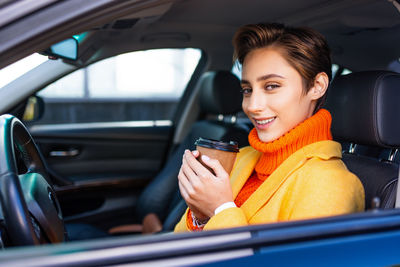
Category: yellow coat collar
[248,158]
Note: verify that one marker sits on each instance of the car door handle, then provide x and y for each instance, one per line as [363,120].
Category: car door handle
[64,153]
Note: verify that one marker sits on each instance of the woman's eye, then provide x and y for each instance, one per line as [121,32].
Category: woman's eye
[246,91]
[271,86]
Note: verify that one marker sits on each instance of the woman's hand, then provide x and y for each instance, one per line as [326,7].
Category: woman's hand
[202,190]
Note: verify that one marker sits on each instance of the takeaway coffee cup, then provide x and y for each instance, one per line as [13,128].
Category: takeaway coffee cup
[225,152]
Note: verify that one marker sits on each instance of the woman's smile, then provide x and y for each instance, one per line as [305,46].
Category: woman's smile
[263,123]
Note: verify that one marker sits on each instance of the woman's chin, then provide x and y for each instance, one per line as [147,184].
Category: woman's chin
[266,137]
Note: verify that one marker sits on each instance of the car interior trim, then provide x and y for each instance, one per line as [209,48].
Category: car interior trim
[139,252]
[138,181]
[124,249]
[21,8]
[200,259]
[99,125]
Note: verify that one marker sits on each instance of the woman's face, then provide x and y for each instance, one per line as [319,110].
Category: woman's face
[273,95]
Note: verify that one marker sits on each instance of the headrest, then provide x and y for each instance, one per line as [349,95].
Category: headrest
[220,93]
[365,108]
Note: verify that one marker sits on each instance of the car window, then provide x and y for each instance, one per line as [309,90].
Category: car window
[143,85]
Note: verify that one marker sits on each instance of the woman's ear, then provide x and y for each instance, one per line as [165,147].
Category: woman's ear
[321,83]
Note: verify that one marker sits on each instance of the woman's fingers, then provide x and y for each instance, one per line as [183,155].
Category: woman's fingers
[187,191]
[195,153]
[196,166]
[192,177]
[185,194]
[187,170]
[191,159]
[185,184]
[216,166]
[182,190]
[192,183]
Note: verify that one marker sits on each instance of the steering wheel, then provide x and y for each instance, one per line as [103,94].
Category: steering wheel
[30,208]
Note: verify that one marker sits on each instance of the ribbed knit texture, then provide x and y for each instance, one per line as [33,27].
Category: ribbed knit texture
[314,129]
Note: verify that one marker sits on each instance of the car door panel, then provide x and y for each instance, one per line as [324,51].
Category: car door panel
[104,165]
[87,153]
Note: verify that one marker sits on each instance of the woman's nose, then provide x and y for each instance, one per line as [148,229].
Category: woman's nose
[256,103]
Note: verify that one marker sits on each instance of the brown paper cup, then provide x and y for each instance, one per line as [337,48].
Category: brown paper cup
[225,153]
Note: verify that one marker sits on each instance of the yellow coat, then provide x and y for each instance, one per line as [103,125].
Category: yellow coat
[312,182]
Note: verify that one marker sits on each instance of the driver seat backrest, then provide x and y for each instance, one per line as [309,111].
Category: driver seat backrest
[365,109]
[219,99]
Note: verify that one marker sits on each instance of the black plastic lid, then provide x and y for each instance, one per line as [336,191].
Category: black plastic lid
[232,146]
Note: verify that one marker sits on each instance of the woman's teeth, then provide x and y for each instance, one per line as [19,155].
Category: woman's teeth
[265,121]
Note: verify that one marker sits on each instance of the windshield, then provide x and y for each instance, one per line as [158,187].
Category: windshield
[19,68]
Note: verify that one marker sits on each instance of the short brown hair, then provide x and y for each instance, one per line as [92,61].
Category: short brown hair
[305,49]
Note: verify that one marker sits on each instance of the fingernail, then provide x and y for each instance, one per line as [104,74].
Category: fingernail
[205,158]
[195,152]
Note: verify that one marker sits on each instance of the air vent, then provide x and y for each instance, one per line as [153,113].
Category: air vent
[124,24]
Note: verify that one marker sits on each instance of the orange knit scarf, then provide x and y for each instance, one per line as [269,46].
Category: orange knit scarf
[314,129]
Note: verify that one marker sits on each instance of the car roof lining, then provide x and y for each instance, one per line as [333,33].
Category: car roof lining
[351,28]
[353,35]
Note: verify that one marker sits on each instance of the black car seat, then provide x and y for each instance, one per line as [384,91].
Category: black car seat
[387,194]
[365,109]
[220,99]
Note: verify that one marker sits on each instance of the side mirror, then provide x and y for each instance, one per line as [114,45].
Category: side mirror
[67,49]
[34,109]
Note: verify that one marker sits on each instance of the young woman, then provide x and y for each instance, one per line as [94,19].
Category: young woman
[292,168]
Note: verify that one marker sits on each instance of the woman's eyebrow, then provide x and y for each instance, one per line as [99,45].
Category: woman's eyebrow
[263,78]
[268,76]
